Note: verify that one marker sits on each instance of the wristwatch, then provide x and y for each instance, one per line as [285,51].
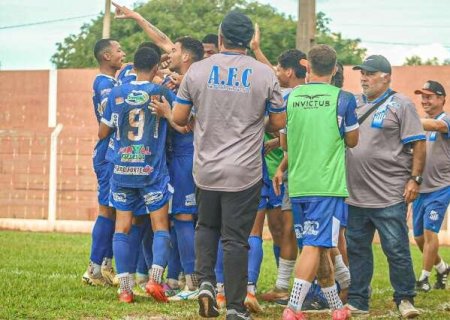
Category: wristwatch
[417,179]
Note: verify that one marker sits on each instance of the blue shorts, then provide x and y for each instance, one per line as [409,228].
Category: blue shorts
[316,220]
[429,210]
[342,215]
[182,181]
[155,196]
[269,200]
[103,172]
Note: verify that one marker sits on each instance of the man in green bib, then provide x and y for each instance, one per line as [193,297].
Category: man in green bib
[321,122]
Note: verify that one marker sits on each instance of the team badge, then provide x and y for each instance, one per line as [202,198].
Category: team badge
[137,98]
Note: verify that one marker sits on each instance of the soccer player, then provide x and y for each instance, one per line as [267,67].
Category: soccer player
[210,45]
[321,121]
[430,206]
[109,55]
[140,169]
[186,51]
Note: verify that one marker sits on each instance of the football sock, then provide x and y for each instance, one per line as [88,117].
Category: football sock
[192,281]
[121,248]
[185,236]
[107,262]
[174,263]
[424,274]
[276,253]
[220,288]
[95,270]
[161,248]
[441,267]
[251,288]
[141,267]
[298,294]
[101,238]
[342,273]
[135,239]
[331,294]
[124,282]
[219,263]
[156,273]
[255,257]
[147,243]
[284,273]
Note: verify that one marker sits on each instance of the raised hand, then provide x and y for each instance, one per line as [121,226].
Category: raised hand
[123,12]
[255,43]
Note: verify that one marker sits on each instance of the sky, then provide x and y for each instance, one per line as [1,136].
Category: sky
[394,28]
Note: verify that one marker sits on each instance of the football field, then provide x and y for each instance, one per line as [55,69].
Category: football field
[41,279]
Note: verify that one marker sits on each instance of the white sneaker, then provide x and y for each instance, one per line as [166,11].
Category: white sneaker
[184,295]
[355,311]
[407,310]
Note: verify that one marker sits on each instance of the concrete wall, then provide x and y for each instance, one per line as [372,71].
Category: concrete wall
[25,138]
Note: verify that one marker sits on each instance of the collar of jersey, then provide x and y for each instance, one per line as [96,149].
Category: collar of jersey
[105,75]
[229,53]
[139,82]
[440,115]
[384,95]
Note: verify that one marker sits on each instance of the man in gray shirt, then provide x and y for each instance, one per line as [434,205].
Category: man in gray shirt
[384,174]
[430,206]
[231,93]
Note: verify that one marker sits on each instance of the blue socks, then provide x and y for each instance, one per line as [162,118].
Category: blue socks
[255,257]
[121,248]
[276,253]
[161,248]
[135,239]
[102,235]
[185,237]
[174,263]
[219,263]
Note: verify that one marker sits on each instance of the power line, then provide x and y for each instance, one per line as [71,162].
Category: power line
[403,43]
[45,22]
[392,25]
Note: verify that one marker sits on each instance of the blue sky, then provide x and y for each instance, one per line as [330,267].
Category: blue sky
[394,28]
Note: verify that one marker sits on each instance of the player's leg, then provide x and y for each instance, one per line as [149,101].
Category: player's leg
[221,300]
[142,267]
[255,258]
[172,285]
[275,224]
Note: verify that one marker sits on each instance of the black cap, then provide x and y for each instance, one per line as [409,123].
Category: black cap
[238,28]
[375,63]
[431,87]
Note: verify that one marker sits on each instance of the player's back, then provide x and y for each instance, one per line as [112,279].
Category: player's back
[139,158]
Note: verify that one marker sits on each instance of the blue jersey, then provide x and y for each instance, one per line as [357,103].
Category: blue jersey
[101,88]
[179,143]
[126,75]
[139,155]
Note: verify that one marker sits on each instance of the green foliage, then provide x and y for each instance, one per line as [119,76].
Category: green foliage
[41,279]
[197,18]
[416,60]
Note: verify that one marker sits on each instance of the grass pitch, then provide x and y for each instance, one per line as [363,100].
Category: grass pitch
[41,279]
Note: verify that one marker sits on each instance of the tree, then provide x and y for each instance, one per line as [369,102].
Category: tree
[197,18]
[416,60]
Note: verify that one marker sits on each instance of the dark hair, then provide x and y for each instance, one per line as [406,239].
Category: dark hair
[228,44]
[145,59]
[291,59]
[151,45]
[338,79]
[100,47]
[211,38]
[322,59]
[192,45]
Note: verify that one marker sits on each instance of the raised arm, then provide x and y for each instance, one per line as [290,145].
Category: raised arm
[255,46]
[156,35]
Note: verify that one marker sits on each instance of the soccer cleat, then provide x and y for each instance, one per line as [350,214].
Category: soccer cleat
[89,279]
[355,311]
[407,310]
[109,275]
[289,314]
[441,279]
[316,304]
[207,301]
[238,315]
[169,291]
[156,290]
[423,285]
[341,314]
[221,301]
[185,295]
[126,296]
[252,304]
[275,295]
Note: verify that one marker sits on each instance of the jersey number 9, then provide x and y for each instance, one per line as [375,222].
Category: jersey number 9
[139,124]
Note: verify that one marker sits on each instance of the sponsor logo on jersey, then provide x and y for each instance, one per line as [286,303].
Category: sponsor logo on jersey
[134,153]
[312,102]
[311,227]
[298,228]
[133,171]
[153,197]
[137,98]
[434,216]
[189,200]
[119,197]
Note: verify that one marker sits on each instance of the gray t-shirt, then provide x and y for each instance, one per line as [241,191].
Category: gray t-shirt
[231,94]
[437,167]
[380,165]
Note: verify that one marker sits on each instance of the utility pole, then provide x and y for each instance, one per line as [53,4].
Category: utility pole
[107,20]
[306,25]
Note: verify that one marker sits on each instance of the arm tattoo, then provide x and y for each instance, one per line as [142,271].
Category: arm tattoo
[156,30]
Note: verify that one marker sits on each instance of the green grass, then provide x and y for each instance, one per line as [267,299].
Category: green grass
[41,279]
